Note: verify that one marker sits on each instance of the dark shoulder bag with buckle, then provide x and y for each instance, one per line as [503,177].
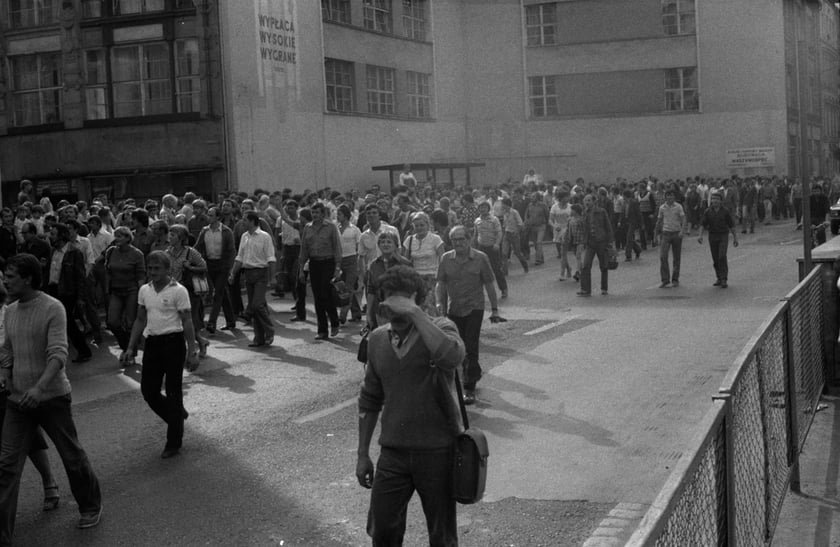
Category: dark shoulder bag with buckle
[470,458]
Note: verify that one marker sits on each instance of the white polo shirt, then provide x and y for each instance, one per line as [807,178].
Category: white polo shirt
[162,308]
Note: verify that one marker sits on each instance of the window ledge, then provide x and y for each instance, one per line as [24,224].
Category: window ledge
[377,32]
[133,18]
[145,120]
[632,39]
[612,115]
[379,116]
[33,129]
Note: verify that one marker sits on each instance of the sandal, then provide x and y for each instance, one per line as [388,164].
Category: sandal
[51,498]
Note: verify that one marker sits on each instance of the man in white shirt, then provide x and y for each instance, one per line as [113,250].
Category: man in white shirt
[368,248]
[257,257]
[407,177]
[670,225]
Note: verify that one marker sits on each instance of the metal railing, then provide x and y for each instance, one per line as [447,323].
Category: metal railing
[729,488]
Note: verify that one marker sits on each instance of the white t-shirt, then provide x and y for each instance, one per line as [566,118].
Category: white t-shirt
[423,252]
[350,238]
[162,308]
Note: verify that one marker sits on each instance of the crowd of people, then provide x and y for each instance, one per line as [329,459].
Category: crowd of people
[421,260]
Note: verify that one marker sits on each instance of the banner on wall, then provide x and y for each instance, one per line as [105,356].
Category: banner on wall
[740,158]
[276,36]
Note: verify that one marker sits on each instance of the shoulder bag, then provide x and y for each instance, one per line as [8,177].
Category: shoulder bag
[471,451]
[198,282]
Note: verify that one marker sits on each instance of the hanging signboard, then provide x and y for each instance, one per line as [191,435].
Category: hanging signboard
[745,158]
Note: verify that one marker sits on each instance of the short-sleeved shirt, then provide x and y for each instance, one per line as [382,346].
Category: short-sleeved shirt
[162,308]
[465,279]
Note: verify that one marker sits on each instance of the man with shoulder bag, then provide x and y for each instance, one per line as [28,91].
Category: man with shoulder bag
[410,378]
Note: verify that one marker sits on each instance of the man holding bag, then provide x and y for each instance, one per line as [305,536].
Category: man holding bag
[410,378]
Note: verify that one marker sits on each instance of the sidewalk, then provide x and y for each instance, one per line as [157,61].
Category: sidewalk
[812,517]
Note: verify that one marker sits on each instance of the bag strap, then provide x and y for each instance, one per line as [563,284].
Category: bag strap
[461,401]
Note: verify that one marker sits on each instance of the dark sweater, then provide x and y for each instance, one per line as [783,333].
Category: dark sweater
[411,393]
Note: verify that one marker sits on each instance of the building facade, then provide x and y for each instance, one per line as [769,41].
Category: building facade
[140,97]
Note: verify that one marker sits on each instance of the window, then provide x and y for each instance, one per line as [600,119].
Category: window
[96,84]
[378,15]
[681,93]
[31,13]
[126,7]
[543,96]
[141,80]
[380,90]
[187,80]
[414,19]
[419,96]
[36,89]
[91,9]
[678,16]
[339,76]
[336,10]
[540,22]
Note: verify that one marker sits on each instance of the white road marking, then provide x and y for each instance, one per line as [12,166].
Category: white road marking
[550,325]
[325,412]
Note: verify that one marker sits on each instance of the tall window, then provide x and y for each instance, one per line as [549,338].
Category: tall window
[678,16]
[141,80]
[414,19]
[336,10]
[125,7]
[380,90]
[31,13]
[378,15]
[540,24]
[543,96]
[96,84]
[339,76]
[419,95]
[36,89]
[92,9]
[187,80]
[681,93]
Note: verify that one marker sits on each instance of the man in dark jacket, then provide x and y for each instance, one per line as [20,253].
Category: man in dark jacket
[597,241]
[216,245]
[820,207]
[66,282]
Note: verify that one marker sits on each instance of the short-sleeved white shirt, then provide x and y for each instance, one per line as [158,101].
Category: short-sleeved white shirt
[162,308]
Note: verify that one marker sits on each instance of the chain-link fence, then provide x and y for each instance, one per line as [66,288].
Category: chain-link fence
[730,488]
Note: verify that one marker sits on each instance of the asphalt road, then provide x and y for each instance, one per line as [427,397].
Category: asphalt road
[587,404]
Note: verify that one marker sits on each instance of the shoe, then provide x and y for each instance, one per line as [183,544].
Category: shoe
[334,331]
[321,336]
[663,285]
[293,309]
[83,358]
[469,397]
[628,259]
[576,276]
[268,341]
[582,293]
[604,293]
[723,285]
[504,293]
[211,328]
[716,283]
[638,255]
[255,344]
[675,283]
[297,319]
[561,278]
[89,519]
[743,231]
[51,498]
[169,453]
[231,326]
[202,348]
[342,321]
[185,414]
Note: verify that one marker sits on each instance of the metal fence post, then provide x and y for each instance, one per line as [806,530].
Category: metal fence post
[729,439]
[792,403]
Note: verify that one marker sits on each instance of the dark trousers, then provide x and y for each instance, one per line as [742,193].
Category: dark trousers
[496,264]
[797,209]
[20,426]
[630,243]
[673,241]
[217,275]
[235,292]
[256,285]
[74,335]
[646,230]
[91,308]
[398,474]
[718,244]
[291,269]
[122,310]
[469,327]
[321,273]
[598,249]
[350,276]
[164,356]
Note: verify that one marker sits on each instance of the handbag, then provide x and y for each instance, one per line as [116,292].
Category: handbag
[612,263]
[340,294]
[471,451]
[362,352]
[200,284]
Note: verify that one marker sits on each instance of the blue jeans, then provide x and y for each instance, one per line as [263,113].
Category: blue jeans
[20,426]
[398,474]
[670,240]
[469,328]
[163,356]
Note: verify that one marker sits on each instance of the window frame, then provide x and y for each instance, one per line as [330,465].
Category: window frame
[545,102]
[415,19]
[116,7]
[380,99]
[535,20]
[336,11]
[682,90]
[378,16]
[145,81]
[334,88]
[194,76]
[40,15]
[675,23]
[18,93]
[419,94]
